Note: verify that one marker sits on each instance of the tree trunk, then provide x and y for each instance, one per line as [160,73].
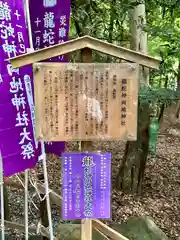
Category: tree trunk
[163,106]
[138,40]
[131,172]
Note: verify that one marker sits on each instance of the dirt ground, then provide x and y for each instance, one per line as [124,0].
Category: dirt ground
[161,193]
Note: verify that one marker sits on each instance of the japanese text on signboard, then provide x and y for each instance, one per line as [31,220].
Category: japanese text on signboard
[86,185]
[86,101]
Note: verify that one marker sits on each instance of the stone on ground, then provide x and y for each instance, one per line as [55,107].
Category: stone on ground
[73,232]
[136,228]
[140,228]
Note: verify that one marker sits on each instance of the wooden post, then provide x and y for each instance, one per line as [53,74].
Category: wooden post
[86,229]
[86,146]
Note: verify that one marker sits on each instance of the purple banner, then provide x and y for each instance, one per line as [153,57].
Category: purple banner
[50,23]
[86,185]
[17,118]
[55,147]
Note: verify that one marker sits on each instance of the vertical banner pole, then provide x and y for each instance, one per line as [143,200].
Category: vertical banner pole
[47,191]
[26,205]
[2,199]
[26,4]
[86,224]
[42,142]
[28,23]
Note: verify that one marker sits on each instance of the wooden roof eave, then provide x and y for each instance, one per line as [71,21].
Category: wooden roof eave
[81,43]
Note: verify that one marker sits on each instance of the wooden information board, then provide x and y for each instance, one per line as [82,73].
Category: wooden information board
[86,101]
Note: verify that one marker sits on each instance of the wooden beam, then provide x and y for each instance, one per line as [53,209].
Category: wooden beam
[102,234]
[49,52]
[81,43]
[109,232]
[123,53]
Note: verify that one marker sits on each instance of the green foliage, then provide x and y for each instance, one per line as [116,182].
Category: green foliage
[108,20]
[163,27]
[158,95]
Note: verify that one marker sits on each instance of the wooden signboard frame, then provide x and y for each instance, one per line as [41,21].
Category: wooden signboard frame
[86,101]
[87,44]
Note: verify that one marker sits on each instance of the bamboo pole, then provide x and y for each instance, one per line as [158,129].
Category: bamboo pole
[28,20]
[47,191]
[26,205]
[42,143]
[27,14]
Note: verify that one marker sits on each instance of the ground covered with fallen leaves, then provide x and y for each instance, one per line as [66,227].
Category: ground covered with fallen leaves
[161,191]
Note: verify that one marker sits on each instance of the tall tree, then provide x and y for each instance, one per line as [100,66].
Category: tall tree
[127,23]
[131,171]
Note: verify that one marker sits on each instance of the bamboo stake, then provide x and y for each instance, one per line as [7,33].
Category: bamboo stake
[28,23]
[26,4]
[26,205]
[47,191]
[42,143]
